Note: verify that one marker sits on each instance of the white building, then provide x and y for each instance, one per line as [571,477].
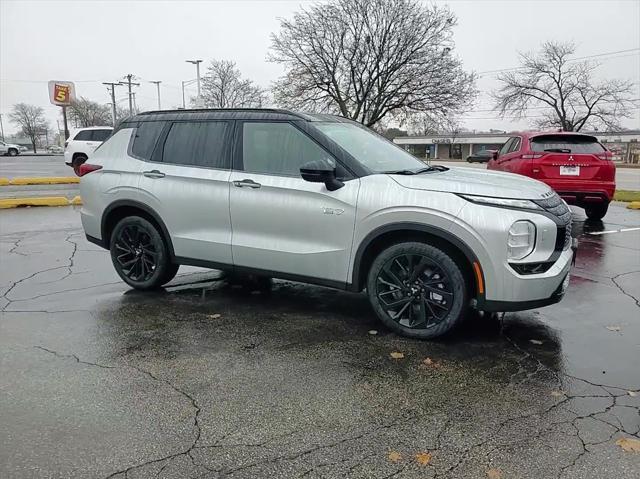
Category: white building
[625,145]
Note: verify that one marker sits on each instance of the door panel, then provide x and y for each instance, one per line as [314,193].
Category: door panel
[187,183]
[292,226]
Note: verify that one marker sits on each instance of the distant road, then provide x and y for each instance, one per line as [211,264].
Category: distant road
[11,167]
[626,178]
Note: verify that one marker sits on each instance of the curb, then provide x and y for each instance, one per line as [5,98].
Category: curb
[634,205]
[51,180]
[39,201]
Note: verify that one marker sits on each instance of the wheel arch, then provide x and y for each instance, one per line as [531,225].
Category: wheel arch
[387,235]
[121,209]
[78,154]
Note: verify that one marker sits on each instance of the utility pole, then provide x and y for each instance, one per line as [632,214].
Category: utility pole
[129,83]
[2,127]
[113,99]
[197,64]
[157,83]
[135,107]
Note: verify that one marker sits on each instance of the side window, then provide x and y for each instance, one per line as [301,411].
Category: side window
[145,139]
[197,143]
[505,148]
[84,135]
[100,135]
[515,146]
[278,149]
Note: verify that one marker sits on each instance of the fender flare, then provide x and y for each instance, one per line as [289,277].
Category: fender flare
[135,204]
[422,228]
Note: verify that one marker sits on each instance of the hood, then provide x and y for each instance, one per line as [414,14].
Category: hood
[473,181]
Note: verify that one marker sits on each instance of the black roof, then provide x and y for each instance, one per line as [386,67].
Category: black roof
[232,114]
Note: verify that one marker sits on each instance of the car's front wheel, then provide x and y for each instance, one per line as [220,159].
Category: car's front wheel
[417,290]
[139,254]
[12,152]
[596,212]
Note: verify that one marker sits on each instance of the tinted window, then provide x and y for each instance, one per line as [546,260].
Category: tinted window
[100,135]
[196,144]
[573,143]
[506,146]
[515,145]
[84,135]
[278,149]
[146,137]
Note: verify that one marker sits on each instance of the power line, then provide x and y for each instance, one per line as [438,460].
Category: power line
[570,60]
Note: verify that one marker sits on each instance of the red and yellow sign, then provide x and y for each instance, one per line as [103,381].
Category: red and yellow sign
[61,93]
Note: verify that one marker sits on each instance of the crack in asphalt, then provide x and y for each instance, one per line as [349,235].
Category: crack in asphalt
[622,290]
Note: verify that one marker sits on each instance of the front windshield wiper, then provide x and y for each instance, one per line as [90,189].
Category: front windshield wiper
[417,172]
[558,150]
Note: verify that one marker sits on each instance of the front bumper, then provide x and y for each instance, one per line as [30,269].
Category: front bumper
[536,291]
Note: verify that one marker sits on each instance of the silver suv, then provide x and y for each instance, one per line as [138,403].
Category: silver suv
[323,200]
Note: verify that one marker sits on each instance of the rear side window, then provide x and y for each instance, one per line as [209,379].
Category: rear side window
[566,144]
[100,135]
[84,135]
[197,144]
[147,135]
[278,149]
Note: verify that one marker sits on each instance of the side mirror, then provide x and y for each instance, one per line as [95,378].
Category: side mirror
[494,155]
[321,171]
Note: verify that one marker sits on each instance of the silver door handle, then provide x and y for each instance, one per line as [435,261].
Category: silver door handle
[246,182]
[153,174]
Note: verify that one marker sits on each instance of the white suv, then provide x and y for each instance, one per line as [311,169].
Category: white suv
[82,144]
[323,200]
[9,149]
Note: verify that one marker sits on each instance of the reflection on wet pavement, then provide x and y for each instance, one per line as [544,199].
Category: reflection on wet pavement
[213,377]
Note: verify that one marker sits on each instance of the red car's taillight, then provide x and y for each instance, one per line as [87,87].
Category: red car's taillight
[86,168]
[605,155]
[531,157]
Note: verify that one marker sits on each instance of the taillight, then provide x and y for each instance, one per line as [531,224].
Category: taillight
[86,168]
[531,157]
[605,155]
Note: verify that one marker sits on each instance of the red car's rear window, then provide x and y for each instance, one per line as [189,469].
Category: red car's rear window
[573,143]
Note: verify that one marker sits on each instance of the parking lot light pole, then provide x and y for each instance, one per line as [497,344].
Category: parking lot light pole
[197,64]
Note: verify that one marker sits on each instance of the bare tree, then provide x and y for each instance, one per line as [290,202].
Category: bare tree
[31,120]
[563,91]
[224,87]
[85,113]
[370,59]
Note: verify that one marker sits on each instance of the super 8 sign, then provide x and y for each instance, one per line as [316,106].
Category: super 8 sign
[61,93]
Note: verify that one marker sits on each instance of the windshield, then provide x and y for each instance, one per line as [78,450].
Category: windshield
[371,150]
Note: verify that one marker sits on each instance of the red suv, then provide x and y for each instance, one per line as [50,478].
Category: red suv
[577,166]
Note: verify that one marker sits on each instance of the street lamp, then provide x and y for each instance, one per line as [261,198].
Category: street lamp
[197,64]
[184,83]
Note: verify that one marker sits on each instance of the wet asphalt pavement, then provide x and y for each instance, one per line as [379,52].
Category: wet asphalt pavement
[210,379]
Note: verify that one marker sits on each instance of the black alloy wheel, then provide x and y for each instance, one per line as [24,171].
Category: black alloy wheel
[417,290]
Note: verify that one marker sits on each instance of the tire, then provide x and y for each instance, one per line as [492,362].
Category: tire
[12,152]
[139,254]
[596,212]
[77,161]
[417,290]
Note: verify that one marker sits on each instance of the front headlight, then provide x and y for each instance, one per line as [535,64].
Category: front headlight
[522,239]
[504,202]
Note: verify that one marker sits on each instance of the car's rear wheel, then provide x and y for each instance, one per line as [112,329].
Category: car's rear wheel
[596,212]
[417,290]
[12,152]
[139,254]
[77,162]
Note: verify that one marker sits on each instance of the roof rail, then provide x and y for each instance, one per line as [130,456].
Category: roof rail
[204,110]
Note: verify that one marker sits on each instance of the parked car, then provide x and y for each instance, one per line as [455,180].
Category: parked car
[575,165]
[9,149]
[482,156]
[82,144]
[323,200]
[55,149]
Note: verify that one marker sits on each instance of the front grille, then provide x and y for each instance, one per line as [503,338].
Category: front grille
[558,208]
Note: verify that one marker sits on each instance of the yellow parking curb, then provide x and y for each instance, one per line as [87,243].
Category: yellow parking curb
[4,181]
[634,205]
[37,201]
[75,201]
[50,180]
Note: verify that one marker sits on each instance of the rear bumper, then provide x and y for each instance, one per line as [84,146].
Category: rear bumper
[583,192]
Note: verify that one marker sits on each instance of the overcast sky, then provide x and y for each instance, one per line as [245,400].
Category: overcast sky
[92,41]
